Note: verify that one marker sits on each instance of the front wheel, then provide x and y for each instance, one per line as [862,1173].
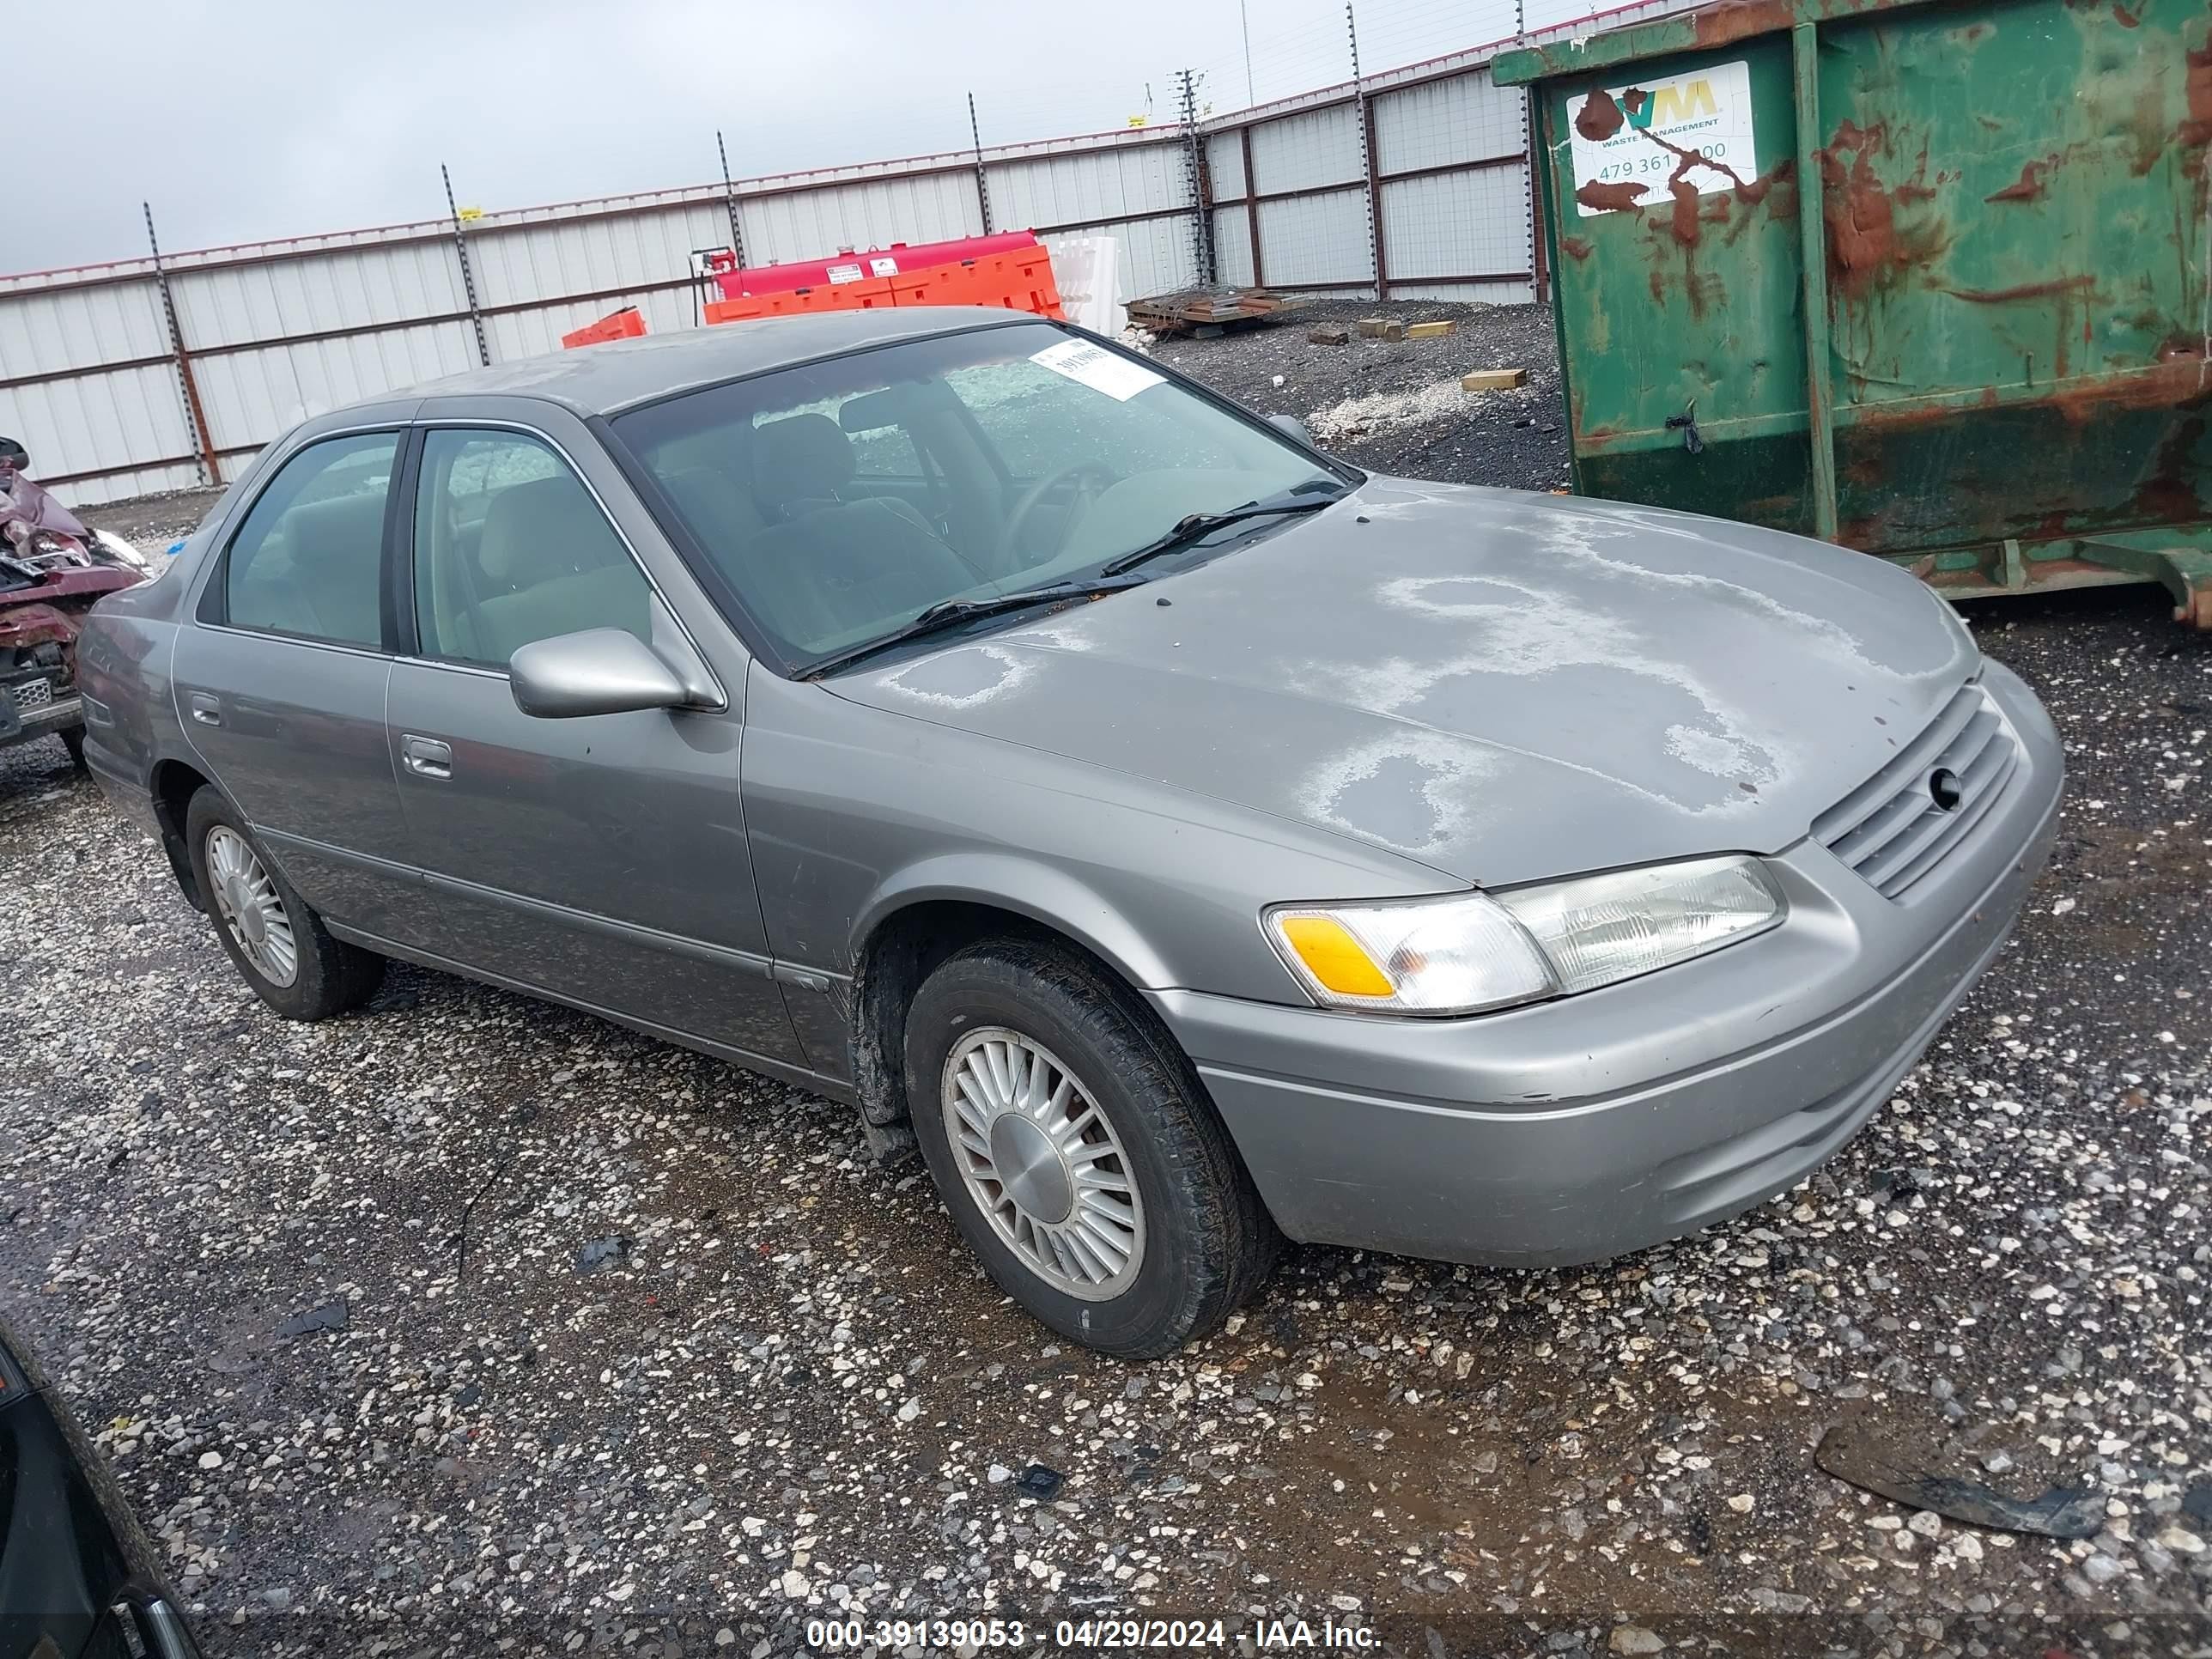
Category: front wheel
[278,946]
[1078,1153]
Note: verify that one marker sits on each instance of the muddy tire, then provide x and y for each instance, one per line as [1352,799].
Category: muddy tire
[277,942]
[1079,1155]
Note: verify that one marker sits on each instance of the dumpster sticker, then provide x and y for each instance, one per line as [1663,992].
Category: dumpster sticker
[883,267]
[1632,142]
[844,273]
[1098,368]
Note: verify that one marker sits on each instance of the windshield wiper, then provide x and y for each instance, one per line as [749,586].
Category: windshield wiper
[950,613]
[1197,526]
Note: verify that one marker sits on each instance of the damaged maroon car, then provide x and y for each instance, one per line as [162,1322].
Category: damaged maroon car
[42,608]
[52,567]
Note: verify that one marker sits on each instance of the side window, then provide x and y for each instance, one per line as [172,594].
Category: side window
[308,561]
[510,548]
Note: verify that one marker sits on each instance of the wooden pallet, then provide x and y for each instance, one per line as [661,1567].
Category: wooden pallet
[1195,309]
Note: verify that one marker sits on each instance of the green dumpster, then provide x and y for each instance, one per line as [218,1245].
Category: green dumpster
[1930,280]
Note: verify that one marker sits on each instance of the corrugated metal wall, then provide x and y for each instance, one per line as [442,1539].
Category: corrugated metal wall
[276,331]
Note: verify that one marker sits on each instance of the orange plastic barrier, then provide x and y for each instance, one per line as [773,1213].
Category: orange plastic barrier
[1018,281]
[868,295]
[624,324]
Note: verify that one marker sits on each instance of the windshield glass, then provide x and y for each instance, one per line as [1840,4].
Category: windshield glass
[840,500]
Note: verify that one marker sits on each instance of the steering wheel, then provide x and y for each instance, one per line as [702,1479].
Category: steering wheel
[1009,554]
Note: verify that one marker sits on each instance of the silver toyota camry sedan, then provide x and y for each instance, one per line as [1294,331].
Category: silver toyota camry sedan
[1182,838]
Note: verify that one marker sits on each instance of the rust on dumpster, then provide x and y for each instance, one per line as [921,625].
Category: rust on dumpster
[1933,275]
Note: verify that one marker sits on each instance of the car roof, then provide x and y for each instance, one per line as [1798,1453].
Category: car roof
[600,379]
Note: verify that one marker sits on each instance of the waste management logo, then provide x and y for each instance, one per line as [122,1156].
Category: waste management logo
[1705,114]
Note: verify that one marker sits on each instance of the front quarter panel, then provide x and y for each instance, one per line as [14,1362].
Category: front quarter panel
[855,812]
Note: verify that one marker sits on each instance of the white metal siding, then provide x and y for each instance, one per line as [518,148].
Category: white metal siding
[1314,148]
[45,333]
[1317,238]
[1225,164]
[1493,294]
[933,207]
[1087,186]
[1232,246]
[1455,224]
[1465,118]
[99,421]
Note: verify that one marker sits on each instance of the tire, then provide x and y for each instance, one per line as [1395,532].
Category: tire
[73,740]
[328,977]
[1201,1243]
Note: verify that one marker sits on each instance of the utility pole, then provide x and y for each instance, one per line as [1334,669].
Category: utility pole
[211,469]
[1367,157]
[1202,223]
[730,199]
[468,274]
[1245,22]
[982,183]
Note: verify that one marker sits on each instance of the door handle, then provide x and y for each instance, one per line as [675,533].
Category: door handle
[426,757]
[207,709]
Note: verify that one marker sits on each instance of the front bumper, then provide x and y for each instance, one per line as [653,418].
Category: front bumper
[39,721]
[1579,1129]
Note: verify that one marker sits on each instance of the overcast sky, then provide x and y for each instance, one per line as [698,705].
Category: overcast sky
[247,120]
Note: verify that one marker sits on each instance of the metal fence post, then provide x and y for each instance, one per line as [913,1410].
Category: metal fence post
[210,468]
[730,198]
[468,276]
[1251,203]
[1367,160]
[1201,216]
[982,184]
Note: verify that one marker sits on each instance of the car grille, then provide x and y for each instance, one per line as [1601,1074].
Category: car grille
[1891,829]
[34,694]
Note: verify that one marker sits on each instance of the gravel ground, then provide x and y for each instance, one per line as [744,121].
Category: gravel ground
[789,1394]
[1396,406]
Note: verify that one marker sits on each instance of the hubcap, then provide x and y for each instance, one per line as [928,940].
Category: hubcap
[247,903]
[1043,1163]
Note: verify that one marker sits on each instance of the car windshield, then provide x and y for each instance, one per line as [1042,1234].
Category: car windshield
[840,500]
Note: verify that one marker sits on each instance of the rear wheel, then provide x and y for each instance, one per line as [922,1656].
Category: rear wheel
[73,740]
[276,943]
[1078,1153]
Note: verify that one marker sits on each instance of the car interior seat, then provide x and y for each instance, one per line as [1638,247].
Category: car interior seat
[321,575]
[826,568]
[554,565]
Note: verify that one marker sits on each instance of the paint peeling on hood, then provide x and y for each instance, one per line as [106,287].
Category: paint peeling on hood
[962,679]
[1504,686]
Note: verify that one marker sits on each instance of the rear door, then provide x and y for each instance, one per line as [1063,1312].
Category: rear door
[281,679]
[601,858]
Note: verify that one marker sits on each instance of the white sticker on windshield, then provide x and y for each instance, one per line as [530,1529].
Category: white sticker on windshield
[1098,368]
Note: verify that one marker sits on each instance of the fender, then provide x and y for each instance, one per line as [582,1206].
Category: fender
[1027,886]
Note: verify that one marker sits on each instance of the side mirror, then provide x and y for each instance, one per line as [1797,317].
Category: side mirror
[1293,426]
[601,671]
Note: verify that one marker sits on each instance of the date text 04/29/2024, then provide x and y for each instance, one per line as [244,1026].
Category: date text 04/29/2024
[1089,1635]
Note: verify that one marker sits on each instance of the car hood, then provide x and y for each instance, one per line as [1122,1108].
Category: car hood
[1501,685]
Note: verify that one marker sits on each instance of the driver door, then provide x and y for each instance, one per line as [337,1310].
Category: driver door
[601,860]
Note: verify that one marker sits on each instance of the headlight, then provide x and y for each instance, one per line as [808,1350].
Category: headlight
[1470,952]
[121,552]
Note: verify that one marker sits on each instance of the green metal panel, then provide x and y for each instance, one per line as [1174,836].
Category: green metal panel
[1983,225]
